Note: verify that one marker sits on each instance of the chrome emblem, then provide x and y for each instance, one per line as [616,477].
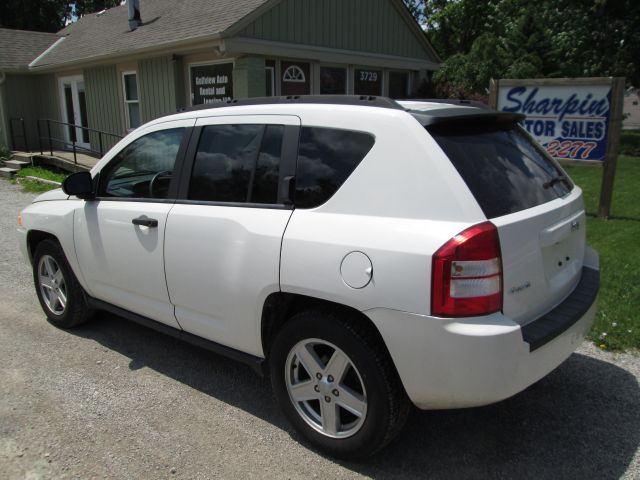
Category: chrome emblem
[575,225]
[520,288]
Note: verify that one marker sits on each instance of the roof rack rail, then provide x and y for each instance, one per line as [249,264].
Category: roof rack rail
[362,100]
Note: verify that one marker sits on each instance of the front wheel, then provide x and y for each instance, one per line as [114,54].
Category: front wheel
[59,292]
[336,384]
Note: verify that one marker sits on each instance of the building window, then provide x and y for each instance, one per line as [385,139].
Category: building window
[211,83]
[333,81]
[367,81]
[270,78]
[295,78]
[398,85]
[131,101]
[294,74]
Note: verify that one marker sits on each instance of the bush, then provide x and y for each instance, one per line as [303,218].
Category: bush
[5,152]
[630,142]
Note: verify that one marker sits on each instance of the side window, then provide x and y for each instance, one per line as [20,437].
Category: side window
[144,168]
[326,158]
[237,163]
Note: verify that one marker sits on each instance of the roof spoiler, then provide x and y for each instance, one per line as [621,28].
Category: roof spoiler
[471,115]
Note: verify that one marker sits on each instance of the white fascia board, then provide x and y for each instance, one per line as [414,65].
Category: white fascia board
[51,47]
[244,45]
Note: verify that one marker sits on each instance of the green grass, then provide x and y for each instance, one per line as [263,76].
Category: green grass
[617,325]
[40,172]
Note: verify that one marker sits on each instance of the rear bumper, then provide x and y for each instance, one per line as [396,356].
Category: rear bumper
[456,363]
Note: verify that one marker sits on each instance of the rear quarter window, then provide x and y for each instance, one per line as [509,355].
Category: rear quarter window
[326,158]
[504,168]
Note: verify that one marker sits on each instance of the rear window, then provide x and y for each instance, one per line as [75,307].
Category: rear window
[504,168]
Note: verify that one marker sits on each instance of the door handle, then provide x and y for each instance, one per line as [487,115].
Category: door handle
[145,221]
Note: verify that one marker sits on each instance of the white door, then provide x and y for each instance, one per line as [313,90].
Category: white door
[74,111]
[223,236]
[119,236]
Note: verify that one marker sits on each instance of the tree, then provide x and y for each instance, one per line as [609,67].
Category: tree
[523,39]
[83,7]
[47,15]
[39,15]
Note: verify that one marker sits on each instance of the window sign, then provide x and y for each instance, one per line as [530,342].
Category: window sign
[333,81]
[295,78]
[367,82]
[211,83]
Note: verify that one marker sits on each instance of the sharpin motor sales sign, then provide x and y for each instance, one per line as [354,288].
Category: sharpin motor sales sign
[569,119]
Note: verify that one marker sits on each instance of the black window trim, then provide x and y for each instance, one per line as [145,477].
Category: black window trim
[288,159]
[172,194]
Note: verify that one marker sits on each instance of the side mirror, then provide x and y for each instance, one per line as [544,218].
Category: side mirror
[79,184]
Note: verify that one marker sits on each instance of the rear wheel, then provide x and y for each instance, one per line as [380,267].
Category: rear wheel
[336,384]
[60,295]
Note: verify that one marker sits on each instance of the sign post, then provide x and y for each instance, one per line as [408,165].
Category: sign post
[576,120]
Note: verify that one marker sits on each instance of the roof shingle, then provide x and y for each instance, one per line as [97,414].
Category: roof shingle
[165,21]
[19,47]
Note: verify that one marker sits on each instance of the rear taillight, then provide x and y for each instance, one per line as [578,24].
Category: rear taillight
[467,274]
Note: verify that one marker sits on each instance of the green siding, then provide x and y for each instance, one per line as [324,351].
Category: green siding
[374,26]
[248,77]
[104,109]
[160,86]
[31,97]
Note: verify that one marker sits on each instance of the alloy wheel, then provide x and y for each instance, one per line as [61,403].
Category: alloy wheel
[326,388]
[53,287]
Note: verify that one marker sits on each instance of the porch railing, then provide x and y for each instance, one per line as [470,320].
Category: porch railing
[46,139]
[19,132]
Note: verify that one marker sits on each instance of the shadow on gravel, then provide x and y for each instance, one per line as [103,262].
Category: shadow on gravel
[582,421]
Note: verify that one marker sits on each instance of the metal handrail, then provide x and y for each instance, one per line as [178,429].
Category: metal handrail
[14,136]
[51,139]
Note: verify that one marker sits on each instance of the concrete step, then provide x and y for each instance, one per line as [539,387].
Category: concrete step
[8,172]
[22,156]
[17,164]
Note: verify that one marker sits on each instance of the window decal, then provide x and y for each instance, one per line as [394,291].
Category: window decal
[293,74]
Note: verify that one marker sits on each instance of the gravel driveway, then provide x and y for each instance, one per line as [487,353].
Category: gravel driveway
[115,400]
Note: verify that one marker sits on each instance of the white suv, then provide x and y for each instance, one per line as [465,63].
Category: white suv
[371,253]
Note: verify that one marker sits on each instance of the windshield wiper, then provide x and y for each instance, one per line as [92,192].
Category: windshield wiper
[554,180]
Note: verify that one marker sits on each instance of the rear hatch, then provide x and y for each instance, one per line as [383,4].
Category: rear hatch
[537,210]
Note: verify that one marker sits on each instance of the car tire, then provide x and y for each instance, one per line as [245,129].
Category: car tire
[324,409]
[60,294]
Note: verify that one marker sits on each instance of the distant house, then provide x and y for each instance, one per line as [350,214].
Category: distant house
[99,74]
[631,109]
